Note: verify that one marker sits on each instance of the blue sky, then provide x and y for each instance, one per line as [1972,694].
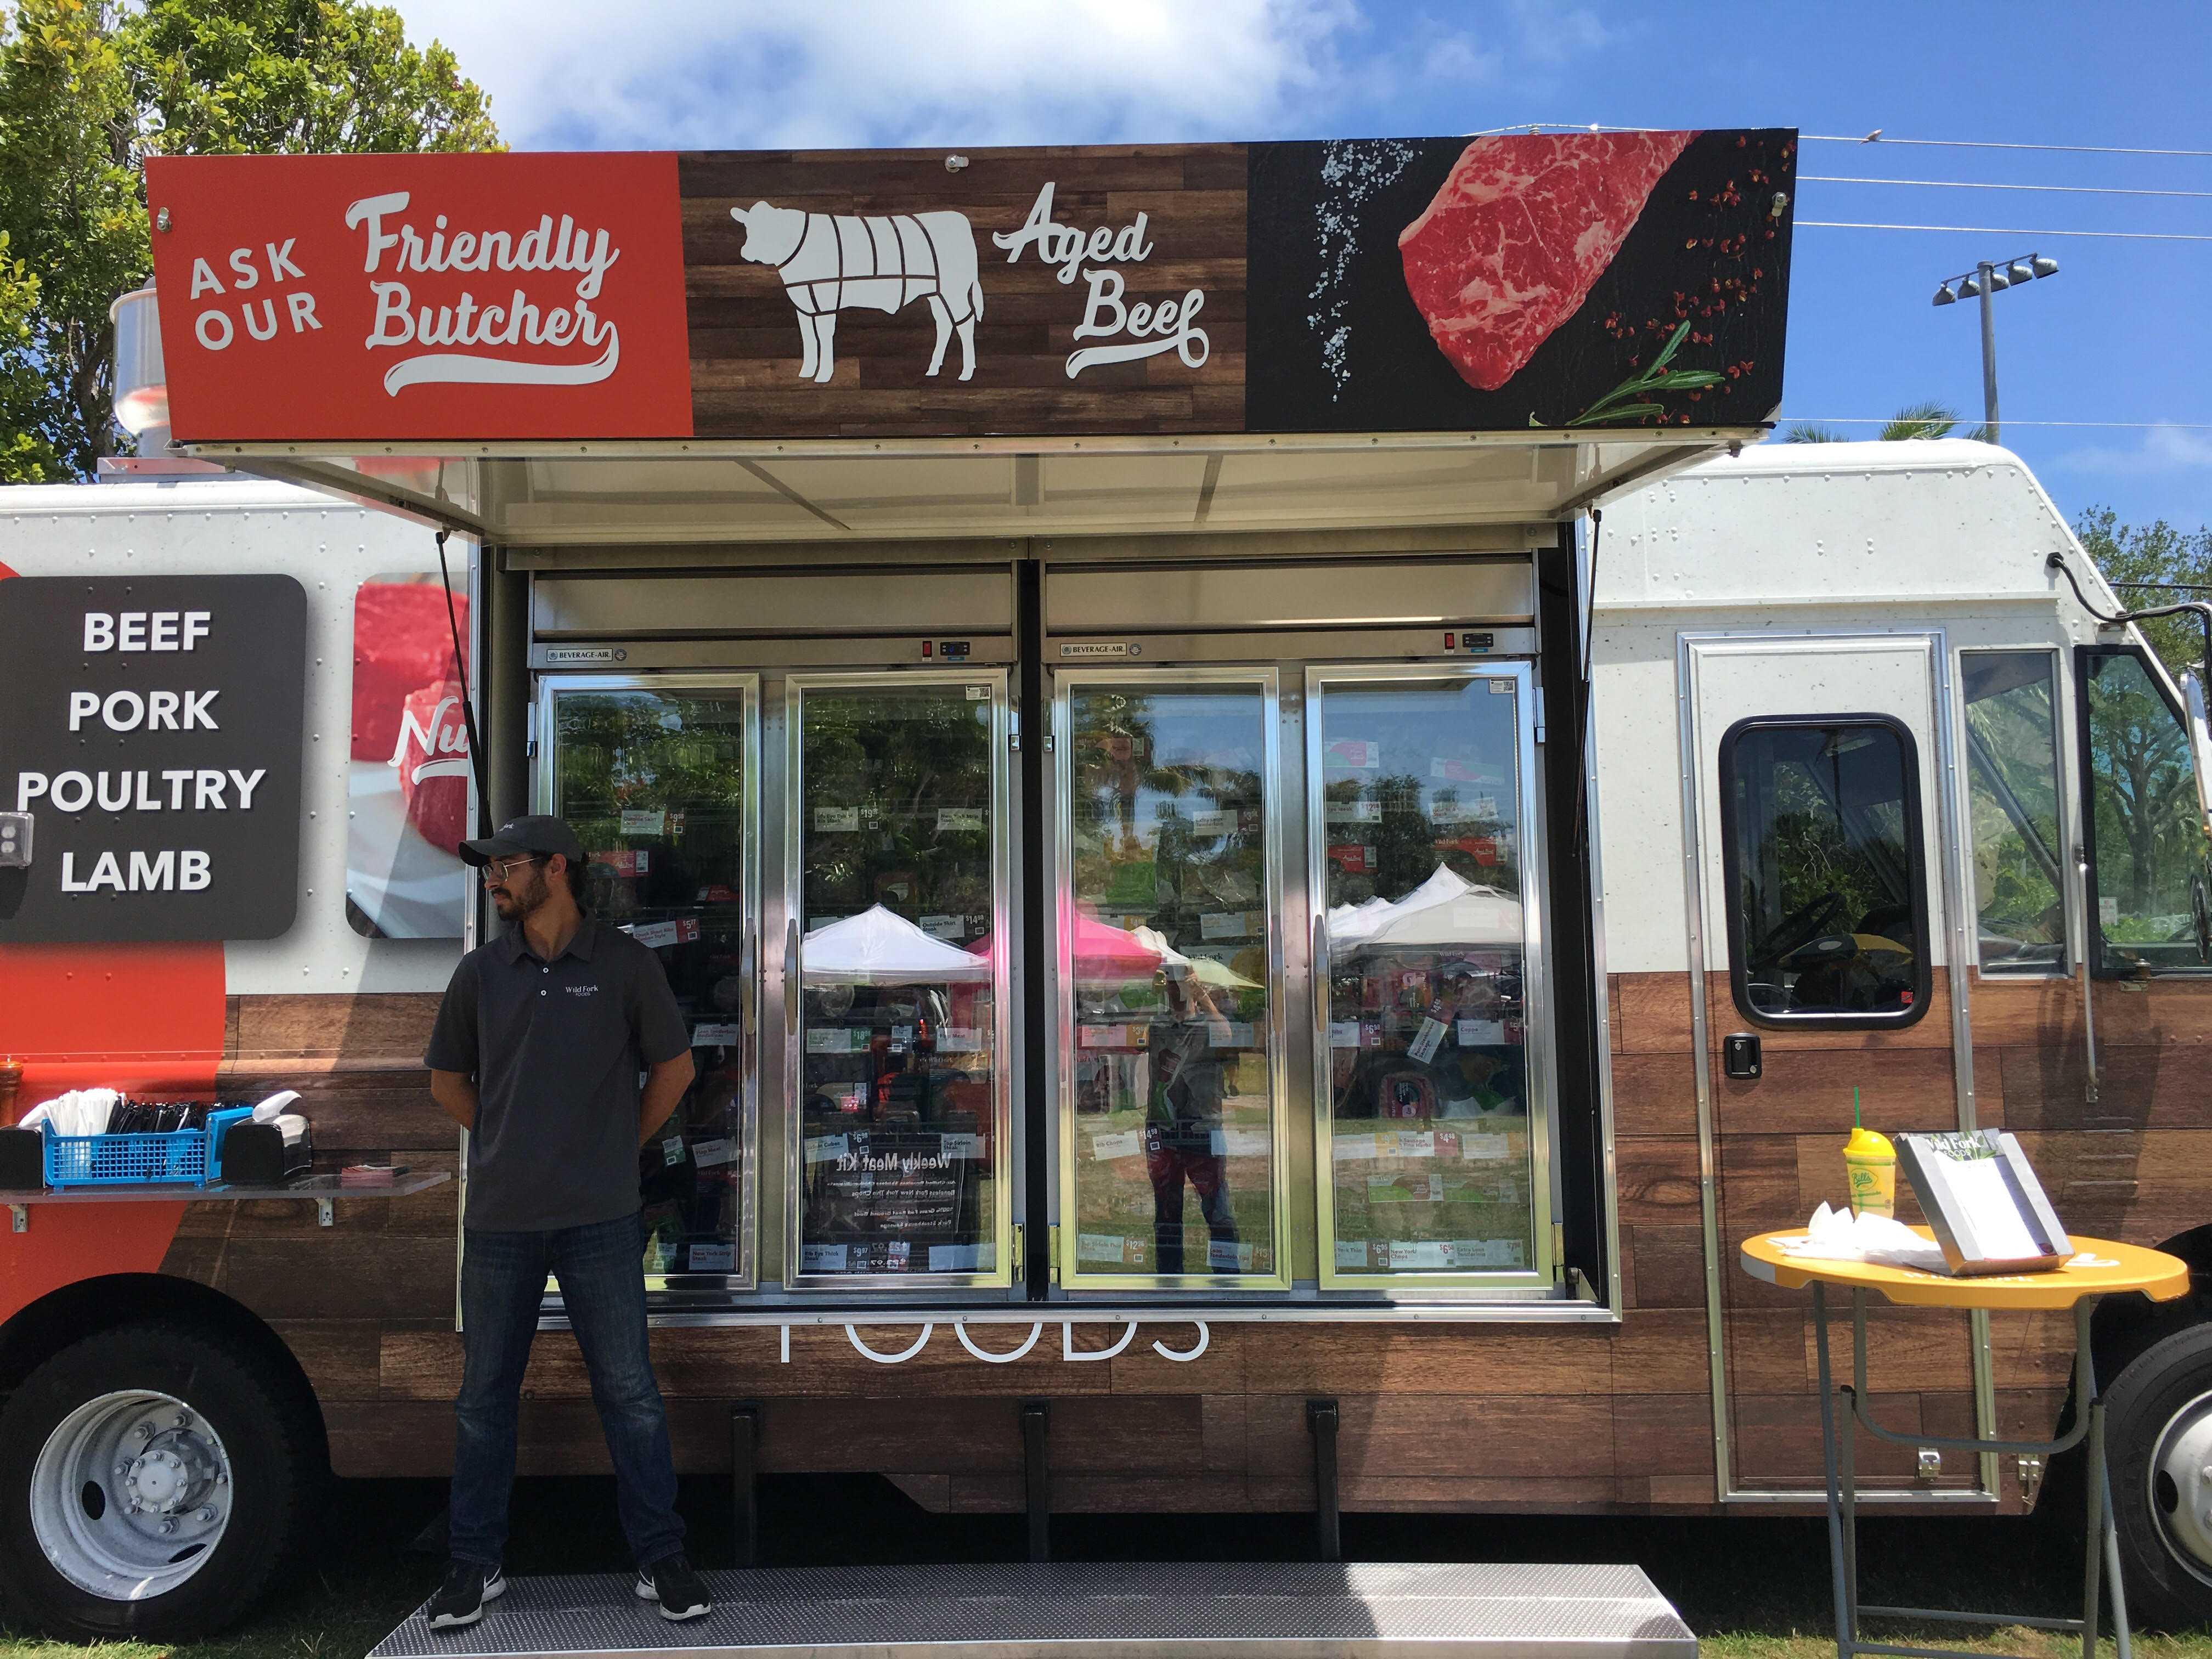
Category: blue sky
[2119,335]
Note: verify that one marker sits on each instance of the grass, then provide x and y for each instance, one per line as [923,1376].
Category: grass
[1755,1587]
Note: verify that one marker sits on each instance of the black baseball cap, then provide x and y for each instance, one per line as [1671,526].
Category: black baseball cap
[538,833]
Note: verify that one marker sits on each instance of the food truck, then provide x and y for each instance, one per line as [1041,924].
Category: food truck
[1274,830]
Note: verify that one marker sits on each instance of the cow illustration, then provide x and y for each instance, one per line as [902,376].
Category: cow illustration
[830,262]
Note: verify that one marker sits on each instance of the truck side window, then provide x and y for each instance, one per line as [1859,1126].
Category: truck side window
[1827,908]
[2012,795]
[2146,836]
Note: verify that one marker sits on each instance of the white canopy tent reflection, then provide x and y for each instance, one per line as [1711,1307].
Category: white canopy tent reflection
[878,948]
[1444,912]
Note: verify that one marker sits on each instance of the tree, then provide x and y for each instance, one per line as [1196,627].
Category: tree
[2174,565]
[1922,420]
[89,88]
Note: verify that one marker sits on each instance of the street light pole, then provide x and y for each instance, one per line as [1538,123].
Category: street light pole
[1989,351]
[1983,283]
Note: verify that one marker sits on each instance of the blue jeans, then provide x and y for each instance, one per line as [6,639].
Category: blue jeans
[602,1286]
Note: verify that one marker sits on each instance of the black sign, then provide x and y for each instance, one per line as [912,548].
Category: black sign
[151,737]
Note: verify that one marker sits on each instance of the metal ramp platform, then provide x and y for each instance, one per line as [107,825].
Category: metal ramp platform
[1103,1610]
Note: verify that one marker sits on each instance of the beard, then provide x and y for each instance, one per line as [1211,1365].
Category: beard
[515,900]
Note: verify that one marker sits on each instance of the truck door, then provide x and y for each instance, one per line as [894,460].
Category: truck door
[1823,926]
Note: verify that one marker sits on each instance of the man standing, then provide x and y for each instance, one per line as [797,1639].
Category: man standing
[537,1053]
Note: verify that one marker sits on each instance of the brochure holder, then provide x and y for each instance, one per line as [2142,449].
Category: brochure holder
[1981,1196]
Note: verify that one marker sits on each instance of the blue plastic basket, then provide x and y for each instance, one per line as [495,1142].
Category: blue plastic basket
[188,1156]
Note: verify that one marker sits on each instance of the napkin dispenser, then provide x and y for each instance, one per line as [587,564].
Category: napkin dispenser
[22,1160]
[267,1154]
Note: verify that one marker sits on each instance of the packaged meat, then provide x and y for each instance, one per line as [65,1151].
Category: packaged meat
[1518,232]
[402,640]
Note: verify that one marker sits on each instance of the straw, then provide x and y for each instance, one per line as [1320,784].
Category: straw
[1856,1124]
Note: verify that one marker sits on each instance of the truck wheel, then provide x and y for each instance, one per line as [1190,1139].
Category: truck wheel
[153,1478]
[2158,1429]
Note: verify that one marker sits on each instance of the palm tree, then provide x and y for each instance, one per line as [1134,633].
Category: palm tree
[1922,420]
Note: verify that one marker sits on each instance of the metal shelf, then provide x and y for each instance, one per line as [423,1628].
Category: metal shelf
[322,1189]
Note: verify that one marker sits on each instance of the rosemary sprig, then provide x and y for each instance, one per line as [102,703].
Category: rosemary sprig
[1634,398]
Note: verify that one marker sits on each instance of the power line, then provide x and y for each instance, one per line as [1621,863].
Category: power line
[1886,420]
[1956,183]
[2001,230]
[1875,138]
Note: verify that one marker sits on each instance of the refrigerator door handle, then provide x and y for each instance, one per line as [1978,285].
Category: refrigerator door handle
[791,977]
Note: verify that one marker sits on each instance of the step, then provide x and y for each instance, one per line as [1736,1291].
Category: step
[1107,1610]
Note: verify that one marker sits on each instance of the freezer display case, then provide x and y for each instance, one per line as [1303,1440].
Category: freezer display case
[1169,971]
[1431,1143]
[897,941]
[659,780]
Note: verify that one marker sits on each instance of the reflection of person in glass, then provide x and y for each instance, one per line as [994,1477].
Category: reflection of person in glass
[1182,1114]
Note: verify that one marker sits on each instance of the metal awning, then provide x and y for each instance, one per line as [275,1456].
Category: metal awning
[551,495]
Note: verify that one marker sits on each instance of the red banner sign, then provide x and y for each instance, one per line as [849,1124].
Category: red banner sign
[441,296]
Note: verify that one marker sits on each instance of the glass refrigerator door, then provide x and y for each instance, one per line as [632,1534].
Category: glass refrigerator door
[659,779]
[1171,1069]
[899,826]
[1429,1042]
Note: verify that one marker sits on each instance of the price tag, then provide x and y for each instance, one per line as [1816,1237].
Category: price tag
[1485,1149]
[1225,924]
[837,820]
[704,1035]
[671,1152]
[944,927]
[959,1039]
[1354,811]
[1098,1247]
[1105,1036]
[644,823]
[962,1258]
[1344,1034]
[959,817]
[714,1258]
[827,1149]
[708,1153]
[1351,1253]
[955,1147]
[1352,1148]
[1422,1253]
[822,1258]
[1104,1148]
[661,935]
[1482,1033]
[1243,1143]
[1226,1258]
[1426,1040]
[1230,1034]
[1211,822]
[833,1040]
[1486,1252]
[1415,1143]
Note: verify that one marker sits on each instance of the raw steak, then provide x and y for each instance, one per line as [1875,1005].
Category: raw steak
[1517,235]
[432,754]
[401,640]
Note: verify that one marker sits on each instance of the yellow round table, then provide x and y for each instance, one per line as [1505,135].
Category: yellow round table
[2100,1267]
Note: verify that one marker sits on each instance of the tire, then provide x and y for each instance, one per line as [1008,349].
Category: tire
[154,1479]
[2158,1437]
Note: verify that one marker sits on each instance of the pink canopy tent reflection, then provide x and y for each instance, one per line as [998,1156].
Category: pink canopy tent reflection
[1102,951]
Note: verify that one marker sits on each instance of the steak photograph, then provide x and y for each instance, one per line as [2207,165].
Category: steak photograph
[1518,234]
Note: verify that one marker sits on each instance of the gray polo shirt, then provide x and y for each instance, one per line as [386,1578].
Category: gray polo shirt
[556,1049]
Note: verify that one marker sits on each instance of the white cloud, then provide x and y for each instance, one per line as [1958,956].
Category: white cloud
[2163,449]
[781,74]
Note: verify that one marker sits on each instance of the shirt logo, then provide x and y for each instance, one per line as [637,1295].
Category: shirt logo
[579,990]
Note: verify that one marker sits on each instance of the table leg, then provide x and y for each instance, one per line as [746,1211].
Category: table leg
[2121,1634]
[1846,1622]
[2085,1388]
[1848,1446]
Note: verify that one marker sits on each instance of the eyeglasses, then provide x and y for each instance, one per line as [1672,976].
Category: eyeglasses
[500,871]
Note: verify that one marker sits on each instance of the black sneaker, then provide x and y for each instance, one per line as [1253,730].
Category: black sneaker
[460,1600]
[681,1592]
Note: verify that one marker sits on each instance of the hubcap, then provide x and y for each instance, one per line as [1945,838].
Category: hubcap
[130,1494]
[2180,1479]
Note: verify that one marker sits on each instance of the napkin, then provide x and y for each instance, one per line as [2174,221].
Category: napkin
[1839,1236]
